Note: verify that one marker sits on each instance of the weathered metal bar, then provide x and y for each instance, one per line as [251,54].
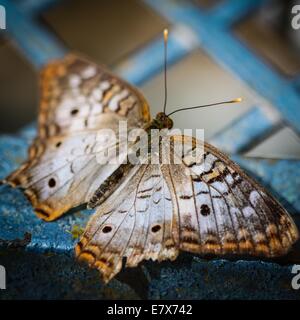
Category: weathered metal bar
[145,63]
[240,135]
[38,45]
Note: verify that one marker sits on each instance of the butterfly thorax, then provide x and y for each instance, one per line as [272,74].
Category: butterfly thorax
[161,121]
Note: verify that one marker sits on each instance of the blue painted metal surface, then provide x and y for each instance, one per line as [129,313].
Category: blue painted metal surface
[189,277]
[17,219]
[227,12]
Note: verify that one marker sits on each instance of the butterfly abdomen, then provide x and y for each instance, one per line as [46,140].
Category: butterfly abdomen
[109,185]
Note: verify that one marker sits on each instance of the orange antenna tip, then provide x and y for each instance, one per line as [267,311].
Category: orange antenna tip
[237,100]
[166,32]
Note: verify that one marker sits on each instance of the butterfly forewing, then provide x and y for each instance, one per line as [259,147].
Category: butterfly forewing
[78,99]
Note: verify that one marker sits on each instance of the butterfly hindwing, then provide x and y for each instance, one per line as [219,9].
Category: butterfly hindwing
[135,222]
[236,215]
[78,98]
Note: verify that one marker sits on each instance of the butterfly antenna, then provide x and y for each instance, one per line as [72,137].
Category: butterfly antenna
[166,32]
[206,105]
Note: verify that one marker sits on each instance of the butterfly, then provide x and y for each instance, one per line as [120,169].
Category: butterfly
[143,211]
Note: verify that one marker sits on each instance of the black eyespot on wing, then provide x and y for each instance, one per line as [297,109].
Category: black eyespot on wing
[74,112]
[205,210]
[52,183]
[107,229]
[156,228]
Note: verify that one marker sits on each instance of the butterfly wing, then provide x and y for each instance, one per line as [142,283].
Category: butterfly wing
[208,206]
[78,98]
[229,213]
[136,222]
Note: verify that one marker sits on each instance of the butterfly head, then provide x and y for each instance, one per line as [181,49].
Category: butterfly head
[162,121]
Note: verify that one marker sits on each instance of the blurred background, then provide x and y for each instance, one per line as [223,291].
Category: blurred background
[126,35]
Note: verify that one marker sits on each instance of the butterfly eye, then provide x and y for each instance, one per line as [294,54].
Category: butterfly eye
[107,229]
[58,144]
[156,228]
[169,123]
[51,183]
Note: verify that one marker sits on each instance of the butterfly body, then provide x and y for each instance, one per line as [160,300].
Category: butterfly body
[144,210]
[161,121]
